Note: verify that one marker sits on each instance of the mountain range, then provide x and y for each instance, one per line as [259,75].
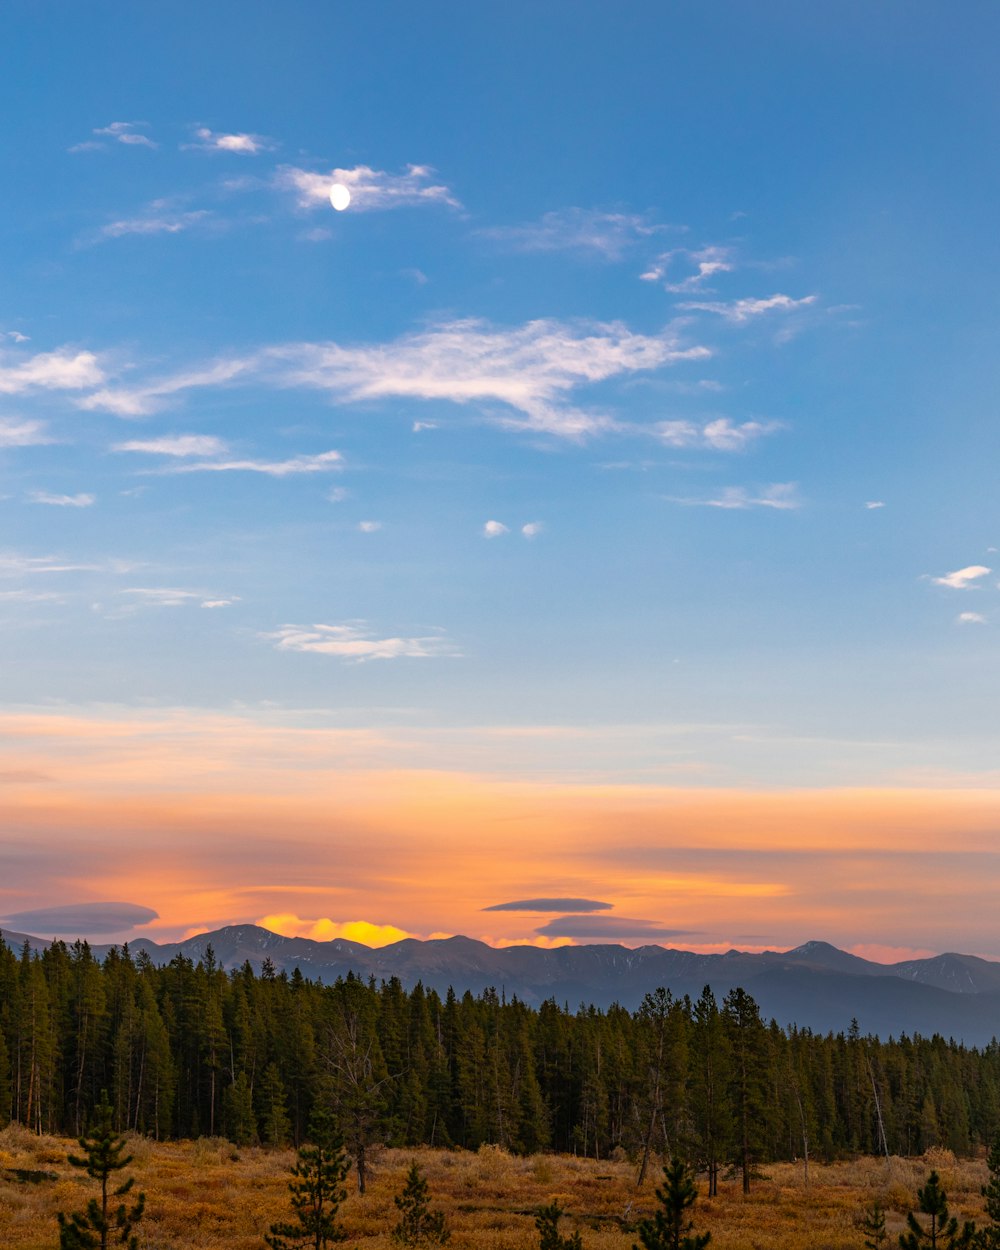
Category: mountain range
[815,986]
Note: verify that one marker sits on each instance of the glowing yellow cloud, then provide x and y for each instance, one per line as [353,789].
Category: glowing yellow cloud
[325,930]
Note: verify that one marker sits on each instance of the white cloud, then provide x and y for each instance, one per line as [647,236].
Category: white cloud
[62,501]
[718,435]
[155,222]
[872,504]
[779,495]
[369,527]
[128,133]
[579,230]
[529,369]
[704,262]
[354,642]
[371,189]
[13,564]
[15,336]
[30,596]
[175,445]
[962,579]
[419,426]
[742,310]
[218,141]
[532,529]
[970,618]
[17,433]
[325,462]
[61,370]
[319,234]
[338,494]
[494,529]
[142,400]
[171,597]
[162,596]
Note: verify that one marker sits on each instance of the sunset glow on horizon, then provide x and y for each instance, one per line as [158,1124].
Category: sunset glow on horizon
[442,502]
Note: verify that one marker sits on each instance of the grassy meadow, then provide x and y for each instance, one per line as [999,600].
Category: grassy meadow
[206,1194]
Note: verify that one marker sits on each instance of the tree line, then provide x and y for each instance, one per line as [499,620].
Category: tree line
[188,1049]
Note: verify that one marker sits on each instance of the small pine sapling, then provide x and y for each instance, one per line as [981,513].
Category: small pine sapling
[671,1228]
[872,1224]
[418,1224]
[547,1223]
[102,1224]
[943,1232]
[989,1234]
[317,1190]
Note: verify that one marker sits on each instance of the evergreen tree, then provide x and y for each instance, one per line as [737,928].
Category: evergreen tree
[276,1128]
[418,1224]
[872,1224]
[747,1040]
[988,1237]
[547,1223]
[670,1228]
[317,1190]
[237,1102]
[943,1230]
[94,1228]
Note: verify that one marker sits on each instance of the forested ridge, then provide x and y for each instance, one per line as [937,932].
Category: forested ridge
[188,1049]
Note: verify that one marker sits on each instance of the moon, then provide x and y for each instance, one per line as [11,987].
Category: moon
[340,197]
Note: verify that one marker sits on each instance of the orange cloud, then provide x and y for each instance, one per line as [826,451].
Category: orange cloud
[212,819]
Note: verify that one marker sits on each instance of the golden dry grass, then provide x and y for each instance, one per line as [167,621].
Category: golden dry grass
[206,1195]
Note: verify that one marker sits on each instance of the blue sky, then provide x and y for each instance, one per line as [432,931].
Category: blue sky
[635,424]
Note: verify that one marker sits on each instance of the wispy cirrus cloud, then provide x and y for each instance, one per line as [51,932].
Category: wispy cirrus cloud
[241,143]
[173,597]
[372,190]
[128,133]
[142,401]
[156,220]
[962,579]
[782,496]
[740,311]
[605,234]
[702,263]
[719,435]
[529,370]
[325,462]
[23,595]
[60,370]
[175,445]
[355,642]
[15,432]
[62,501]
[13,564]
